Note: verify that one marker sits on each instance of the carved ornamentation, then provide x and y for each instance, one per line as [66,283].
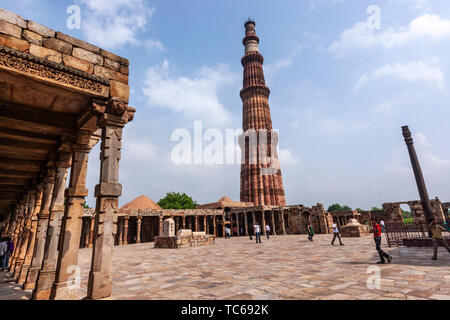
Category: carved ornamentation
[24,62]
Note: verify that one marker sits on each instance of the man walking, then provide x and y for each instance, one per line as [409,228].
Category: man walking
[257,228]
[437,229]
[336,234]
[267,231]
[310,231]
[9,253]
[377,237]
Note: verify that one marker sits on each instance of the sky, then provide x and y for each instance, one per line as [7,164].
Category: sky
[344,76]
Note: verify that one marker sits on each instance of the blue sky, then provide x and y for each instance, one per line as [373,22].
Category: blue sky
[340,91]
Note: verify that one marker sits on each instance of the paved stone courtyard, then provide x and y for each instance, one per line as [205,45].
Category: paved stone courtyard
[285,267]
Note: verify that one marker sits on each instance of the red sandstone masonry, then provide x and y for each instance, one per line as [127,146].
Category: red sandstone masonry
[46,43]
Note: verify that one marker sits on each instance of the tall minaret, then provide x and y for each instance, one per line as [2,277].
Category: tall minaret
[261,181]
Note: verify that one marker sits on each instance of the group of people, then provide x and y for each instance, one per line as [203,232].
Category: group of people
[6,251]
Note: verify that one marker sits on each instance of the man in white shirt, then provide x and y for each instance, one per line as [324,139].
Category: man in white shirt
[383,229]
[257,228]
[267,231]
[336,234]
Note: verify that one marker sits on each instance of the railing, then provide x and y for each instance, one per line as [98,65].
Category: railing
[396,232]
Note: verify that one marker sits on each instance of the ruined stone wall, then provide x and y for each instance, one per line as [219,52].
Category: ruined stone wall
[32,38]
[394,211]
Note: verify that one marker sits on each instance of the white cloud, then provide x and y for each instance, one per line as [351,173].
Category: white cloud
[151,45]
[196,98]
[283,63]
[286,157]
[421,5]
[428,71]
[113,24]
[427,26]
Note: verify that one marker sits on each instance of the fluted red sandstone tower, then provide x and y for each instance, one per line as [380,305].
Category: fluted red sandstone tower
[261,182]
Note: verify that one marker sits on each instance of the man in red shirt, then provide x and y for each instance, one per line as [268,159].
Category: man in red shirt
[377,237]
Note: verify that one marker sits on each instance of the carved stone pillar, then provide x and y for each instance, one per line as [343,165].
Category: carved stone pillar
[196,223]
[283,223]
[41,233]
[72,222]
[263,227]
[31,199]
[254,218]
[138,229]
[183,221]
[34,224]
[47,274]
[87,232]
[107,192]
[120,227]
[125,230]
[91,232]
[214,225]
[223,225]
[237,224]
[246,223]
[273,223]
[18,233]
[160,226]
[204,224]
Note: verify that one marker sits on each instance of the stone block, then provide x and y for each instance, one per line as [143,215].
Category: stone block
[32,37]
[10,29]
[119,90]
[40,29]
[111,64]
[58,45]
[14,43]
[46,53]
[77,42]
[110,74]
[113,57]
[88,56]
[13,18]
[124,69]
[79,64]
[106,189]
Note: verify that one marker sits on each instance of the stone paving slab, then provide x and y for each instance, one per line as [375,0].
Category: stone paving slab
[284,267]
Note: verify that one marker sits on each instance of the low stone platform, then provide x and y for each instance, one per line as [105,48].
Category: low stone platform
[186,238]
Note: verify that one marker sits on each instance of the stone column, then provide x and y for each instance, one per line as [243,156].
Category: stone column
[64,286]
[86,236]
[205,228]
[246,223]
[254,220]
[183,221]
[237,224]
[107,192]
[41,232]
[31,199]
[46,275]
[273,223]
[196,223]
[120,227]
[223,225]
[125,230]
[263,227]
[32,241]
[214,225]
[18,234]
[138,229]
[282,221]
[91,232]
[160,225]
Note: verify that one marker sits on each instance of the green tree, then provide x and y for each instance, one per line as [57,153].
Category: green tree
[359,210]
[376,209]
[338,207]
[175,200]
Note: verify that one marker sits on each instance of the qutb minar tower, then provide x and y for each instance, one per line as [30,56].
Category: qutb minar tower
[261,181]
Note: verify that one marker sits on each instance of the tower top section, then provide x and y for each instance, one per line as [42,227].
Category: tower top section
[251,40]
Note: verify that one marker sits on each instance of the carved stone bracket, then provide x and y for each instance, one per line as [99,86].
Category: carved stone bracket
[42,68]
